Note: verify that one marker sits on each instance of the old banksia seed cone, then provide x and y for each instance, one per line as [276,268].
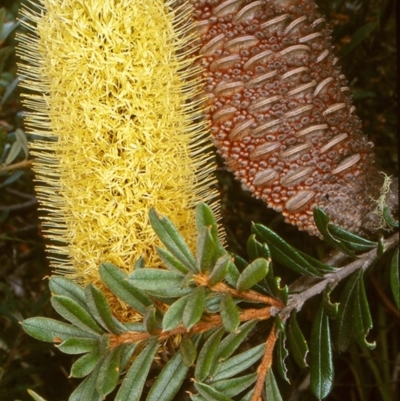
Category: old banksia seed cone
[281,113]
[110,87]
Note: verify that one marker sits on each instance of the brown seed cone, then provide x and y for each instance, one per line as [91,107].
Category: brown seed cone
[280,110]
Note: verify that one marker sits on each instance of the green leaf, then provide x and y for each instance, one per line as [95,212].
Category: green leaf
[233,387]
[282,353]
[187,350]
[173,316]
[127,351]
[149,319]
[252,274]
[232,342]
[162,283]
[352,241]
[220,269]
[233,274]
[119,284]
[256,249]
[86,391]
[100,310]
[86,364]
[75,314]
[362,314]
[361,34]
[171,262]
[395,278]
[271,387]
[209,393]
[238,363]
[35,396]
[320,266]
[387,215]
[206,358]
[283,253]
[207,249]
[169,381]
[51,330]
[321,364]
[62,286]
[229,313]
[107,378]
[194,308]
[205,218]
[78,345]
[173,241]
[297,342]
[331,309]
[133,383]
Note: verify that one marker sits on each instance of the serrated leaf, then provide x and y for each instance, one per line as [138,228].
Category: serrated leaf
[169,381]
[352,241]
[256,249]
[86,391]
[205,218]
[283,253]
[395,278]
[86,364]
[252,274]
[209,393]
[74,313]
[62,286]
[187,350]
[78,345]
[232,342]
[35,396]
[194,307]
[173,316]
[362,315]
[50,330]
[297,342]
[232,387]
[282,353]
[238,363]
[219,270]
[132,386]
[322,220]
[271,387]
[206,249]
[229,313]
[173,241]
[100,310]
[162,283]
[149,319]
[331,309]
[321,364]
[107,378]
[119,284]
[171,262]
[206,358]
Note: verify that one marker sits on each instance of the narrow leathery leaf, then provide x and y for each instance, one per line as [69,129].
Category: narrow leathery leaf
[119,284]
[256,249]
[209,393]
[127,351]
[149,319]
[171,262]
[282,353]
[232,387]
[15,150]
[188,351]
[35,396]
[132,385]
[19,134]
[170,237]
[207,356]
[233,272]
[362,315]
[252,274]
[213,303]
[163,283]
[280,292]
[352,241]
[271,387]
[207,249]
[74,313]
[194,308]
[229,313]
[60,285]
[107,378]
[387,215]
[395,278]
[322,220]
[173,316]
[232,342]
[320,266]
[100,310]
[343,325]
[321,363]
[361,34]
[206,218]
[240,263]
[279,325]
[169,381]
[78,345]
[87,391]
[51,330]
[197,397]
[331,309]
[238,363]
[85,364]
[283,253]
[219,270]
[297,342]
[248,396]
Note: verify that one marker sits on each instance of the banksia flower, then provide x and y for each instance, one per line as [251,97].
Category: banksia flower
[111,86]
[281,113]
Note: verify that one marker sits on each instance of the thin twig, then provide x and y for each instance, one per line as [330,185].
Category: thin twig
[16,166]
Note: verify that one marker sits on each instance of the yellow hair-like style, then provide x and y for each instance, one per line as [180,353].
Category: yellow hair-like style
[111,93]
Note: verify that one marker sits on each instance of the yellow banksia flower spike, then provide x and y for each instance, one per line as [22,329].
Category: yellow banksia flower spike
[114,100]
